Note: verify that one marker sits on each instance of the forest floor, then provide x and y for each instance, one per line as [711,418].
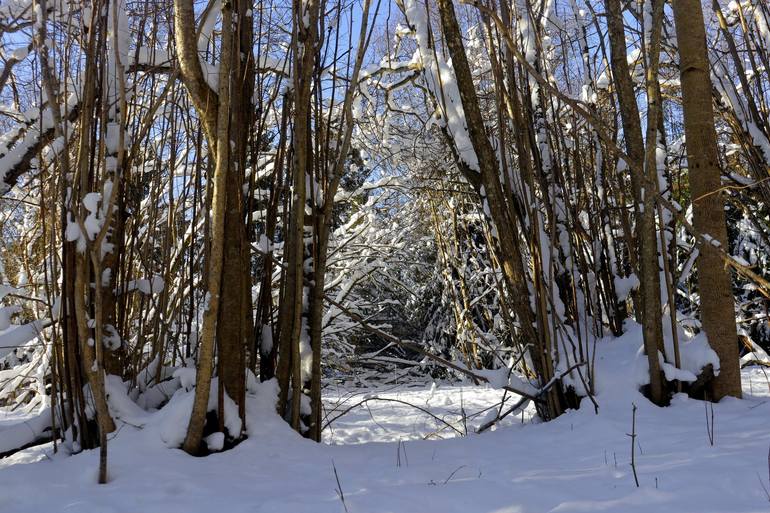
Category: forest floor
[389,456]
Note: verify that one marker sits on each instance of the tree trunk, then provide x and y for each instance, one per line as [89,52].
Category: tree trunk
[508,253]
[290,313]
[714,281]
[265,335]
[218,214]
[644,199]
[235,313]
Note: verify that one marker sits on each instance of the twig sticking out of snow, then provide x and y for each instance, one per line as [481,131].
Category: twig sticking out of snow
[709,422]
[339,487]
[633,442]
[762,483]
[401,445]
[453,473]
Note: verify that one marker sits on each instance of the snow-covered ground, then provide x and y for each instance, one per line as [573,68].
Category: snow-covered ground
[393,457]
[405,413]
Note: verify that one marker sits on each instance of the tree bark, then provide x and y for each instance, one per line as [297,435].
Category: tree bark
[714,281]
[306,15]
[194,435]
[644,199]
[234,324]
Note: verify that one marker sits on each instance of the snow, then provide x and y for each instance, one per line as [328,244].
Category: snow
[264,246]
[93,223]
[20,53]
[23,138]
[266,344]
[762,18]
[151,286]
[393,414]
[392,457]
[15,336]
[6,312]
[603,82]
[18,430]
[624,286]
[215,441]
[441,80]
